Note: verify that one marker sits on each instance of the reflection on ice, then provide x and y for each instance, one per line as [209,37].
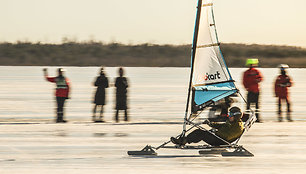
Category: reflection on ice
[121,135]
[99,134]
[60,133]
[33,148]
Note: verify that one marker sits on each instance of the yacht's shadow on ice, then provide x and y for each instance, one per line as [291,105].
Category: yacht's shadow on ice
[173,156]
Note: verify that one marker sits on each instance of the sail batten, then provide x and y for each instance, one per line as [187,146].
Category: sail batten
[213,83]
[209,45]
[207,5]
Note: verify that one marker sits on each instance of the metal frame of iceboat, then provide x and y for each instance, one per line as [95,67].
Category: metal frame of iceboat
[228,150]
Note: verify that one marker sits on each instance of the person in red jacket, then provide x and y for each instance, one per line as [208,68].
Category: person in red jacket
[251,79]
[281,85]
[61,93]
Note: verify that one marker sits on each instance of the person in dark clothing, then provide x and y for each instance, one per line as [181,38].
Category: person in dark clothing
[121,85]
[62,92]
[102,83]
[229,131]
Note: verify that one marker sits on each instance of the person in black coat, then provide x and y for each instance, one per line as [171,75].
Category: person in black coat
[102,83]
[121,85]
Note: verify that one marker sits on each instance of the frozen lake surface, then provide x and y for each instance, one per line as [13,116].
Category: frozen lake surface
[31,143]
[102,148]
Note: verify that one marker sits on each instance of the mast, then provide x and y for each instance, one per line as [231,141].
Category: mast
[193,52]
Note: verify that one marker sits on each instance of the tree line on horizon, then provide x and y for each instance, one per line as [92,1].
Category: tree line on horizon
[141,55]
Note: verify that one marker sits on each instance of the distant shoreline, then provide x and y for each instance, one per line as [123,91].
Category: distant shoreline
[142,55]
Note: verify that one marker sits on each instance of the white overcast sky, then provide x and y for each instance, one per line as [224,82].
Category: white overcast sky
[280,22]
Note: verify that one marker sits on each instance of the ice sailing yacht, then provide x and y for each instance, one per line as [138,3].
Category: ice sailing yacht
[210,81]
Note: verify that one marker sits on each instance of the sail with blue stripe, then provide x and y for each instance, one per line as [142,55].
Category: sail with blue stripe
[211,79]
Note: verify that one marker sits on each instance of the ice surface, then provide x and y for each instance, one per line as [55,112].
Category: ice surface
[31,143]
[96,148]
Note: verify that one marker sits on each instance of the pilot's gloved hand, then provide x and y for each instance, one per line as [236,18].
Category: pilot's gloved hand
[213,130]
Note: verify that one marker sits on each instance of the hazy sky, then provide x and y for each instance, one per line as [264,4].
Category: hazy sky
[279,22]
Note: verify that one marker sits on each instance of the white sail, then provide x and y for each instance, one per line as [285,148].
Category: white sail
[211,79]
[209,66]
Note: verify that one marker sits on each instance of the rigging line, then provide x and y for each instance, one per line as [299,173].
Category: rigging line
[252,111]
[244,99]
[194,44]
[194,117]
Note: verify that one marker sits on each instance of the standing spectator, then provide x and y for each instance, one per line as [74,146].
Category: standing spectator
[281,85]
[102,83]
[62,92]
[121,85]
[251,79]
